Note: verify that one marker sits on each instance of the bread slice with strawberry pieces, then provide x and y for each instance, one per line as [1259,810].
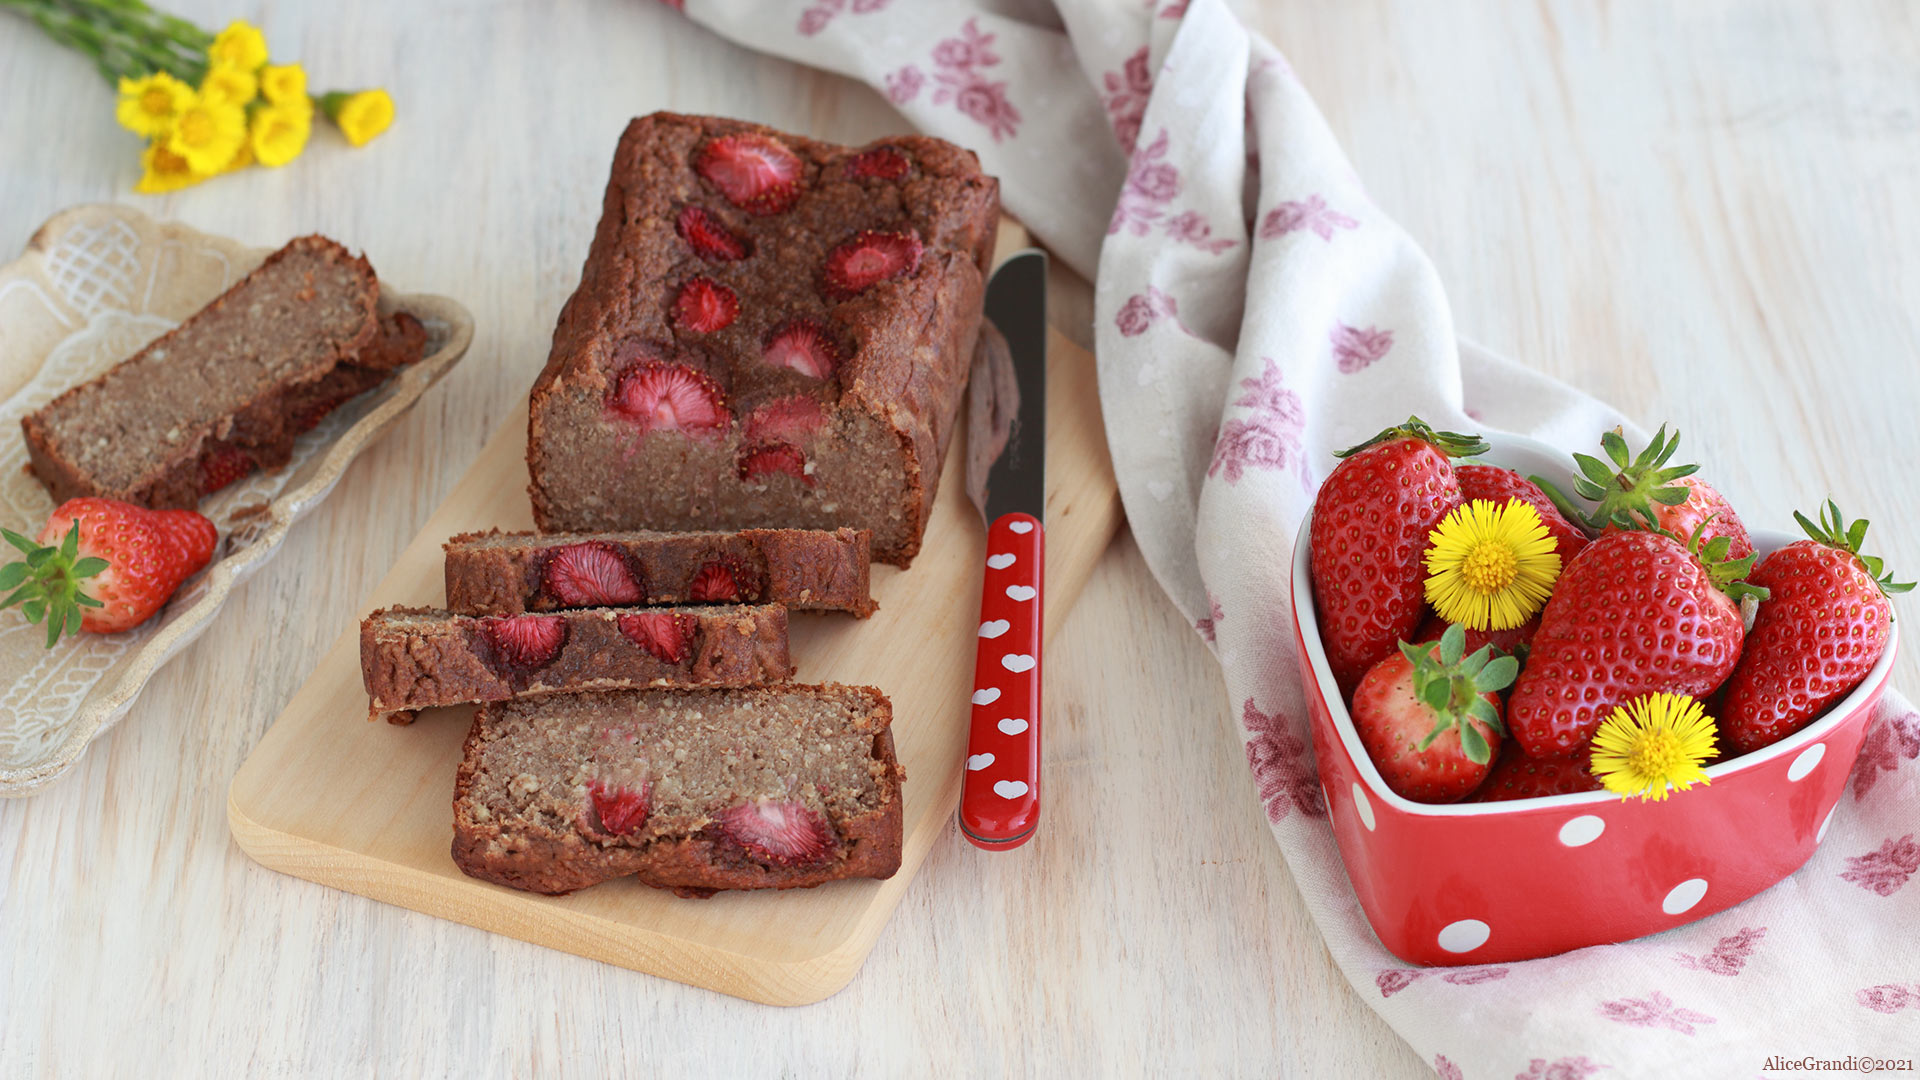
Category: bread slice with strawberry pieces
[1429,717]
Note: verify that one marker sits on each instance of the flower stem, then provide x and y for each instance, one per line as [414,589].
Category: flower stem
[122,37]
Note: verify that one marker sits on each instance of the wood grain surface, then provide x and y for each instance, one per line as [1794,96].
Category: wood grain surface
[1702,211]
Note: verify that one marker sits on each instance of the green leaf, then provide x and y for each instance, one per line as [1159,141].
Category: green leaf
[1452,644]
[1474,746]
[34,609]
[1671,496]
[24,592]
[1856,534]
[23,543]
[70,547]
[89,566]
[1497,675]
[1437,694]
[1594,469]
[12,574]
[1616,448]
[1483,711]
[83,600]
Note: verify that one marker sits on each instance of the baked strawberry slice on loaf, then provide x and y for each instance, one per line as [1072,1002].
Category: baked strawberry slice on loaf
[775,787]
[769,332]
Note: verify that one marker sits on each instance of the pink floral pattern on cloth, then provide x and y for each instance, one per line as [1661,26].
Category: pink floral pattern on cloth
[1567,1068]
[1893,740]
[815,18]
[1191,228]
[960,80]
[1447,1070]
[904,85]
[1281,766]
[1393,980]
[1312,214]
[1354,349]
[1889,997]
[1270,437]
[1214,615]
[1142,310]
[1885,870]
[1151,185]
[1654,1011]
[1126,98]
[1729,955]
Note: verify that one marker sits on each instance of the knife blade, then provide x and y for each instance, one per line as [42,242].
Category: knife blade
[1007,479]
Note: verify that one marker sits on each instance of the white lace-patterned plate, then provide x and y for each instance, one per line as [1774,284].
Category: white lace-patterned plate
[95,284]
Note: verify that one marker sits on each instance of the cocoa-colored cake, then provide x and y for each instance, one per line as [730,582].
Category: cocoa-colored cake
[226,391]
[695,790]
[498,573]
[769,332]
[416,658]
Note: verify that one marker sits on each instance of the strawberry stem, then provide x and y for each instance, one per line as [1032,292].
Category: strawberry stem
[1833,530]
[1450,443]
[1449,684]
[47,583]
[1625,486]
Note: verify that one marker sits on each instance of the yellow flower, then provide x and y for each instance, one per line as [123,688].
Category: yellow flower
[149,104]
[164,170]
[240,45]
[242,158]
[361,115]
[207,134]
[280,133]
[229,85]
[1491,566]
[285,84]
[1651,742]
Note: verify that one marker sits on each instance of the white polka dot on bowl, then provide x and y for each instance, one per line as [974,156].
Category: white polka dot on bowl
[1684,895]
[1822,834]
[1464,936]
[1581,831]
[1363,806]
[1805,763]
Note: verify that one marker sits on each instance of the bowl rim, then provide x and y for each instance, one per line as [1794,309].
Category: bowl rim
[1307,621]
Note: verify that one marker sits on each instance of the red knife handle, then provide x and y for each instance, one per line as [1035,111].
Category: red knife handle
[1000,795]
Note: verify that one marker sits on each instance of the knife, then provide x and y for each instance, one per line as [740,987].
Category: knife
[1007,479]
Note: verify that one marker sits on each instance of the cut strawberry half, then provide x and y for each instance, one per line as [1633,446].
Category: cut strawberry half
[879,163]
[756,173]
[670,397]
[868,259]
[593,573]
[618,809]
[715,583]
[758,461]
[704,306]
[223,468]
[666,635]
[525,643]
[802,345]
[786,833]
[789,420]
[708,236]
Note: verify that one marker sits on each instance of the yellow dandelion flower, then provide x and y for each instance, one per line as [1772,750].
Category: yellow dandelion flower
[1651,743]
[207,134]
[361,115]
[242,158]
[149,104]
[285,84]
[229,85]
[1491,566]
[163,170]
[279,134]
[241,45]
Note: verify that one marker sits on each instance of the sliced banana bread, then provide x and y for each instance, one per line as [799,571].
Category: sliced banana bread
[417,658]
[694,790]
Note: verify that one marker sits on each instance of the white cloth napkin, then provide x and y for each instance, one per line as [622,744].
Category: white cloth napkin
[1255,312]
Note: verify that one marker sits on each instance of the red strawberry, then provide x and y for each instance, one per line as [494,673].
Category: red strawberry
[1638,492]
[756,173]
[1369,538]
[708,236]
[1517,776]
[102,565]
[714,584]
[804,346]
[1512,642]
[592,573]
[1636,613]
[879,163]
[786,833]
[789,420]
[1812,642]
[868,259]
[617,809]
[667,635]
[772,459]
[1500,485]
[670,397]
[223,468]
[704,306]
[525,643]
[1429,717]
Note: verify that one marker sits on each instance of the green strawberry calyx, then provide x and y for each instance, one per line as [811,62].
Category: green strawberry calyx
[1450,443]
[47,583]
[1835,531]
[1625,487]
[1727,575]
[1451,684]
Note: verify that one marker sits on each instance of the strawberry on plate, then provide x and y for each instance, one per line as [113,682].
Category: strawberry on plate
[1369,540]
[1429,717]
[103,566]
[1644,492]
[1821,631]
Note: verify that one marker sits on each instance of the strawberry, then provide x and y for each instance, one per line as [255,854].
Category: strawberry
[1821,632]
[667,635]
[714,584]
[223,468]
[670,397]
[786,833]
[704,306]
[879,163]
[771,459]
[804,346]
[756,173]
[618,809]
[1645,492]
[1517,776]
[1499,485]
[708,236]
[1635,613]
[1429,716]
[1369,539]
[592,573]
[524,643]
[1512,642]
[102,565]
[789,420]
[868,259]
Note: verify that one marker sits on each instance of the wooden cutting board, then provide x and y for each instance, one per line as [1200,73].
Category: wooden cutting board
[367,808]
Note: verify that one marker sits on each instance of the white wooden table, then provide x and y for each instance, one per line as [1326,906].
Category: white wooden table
[1705,213]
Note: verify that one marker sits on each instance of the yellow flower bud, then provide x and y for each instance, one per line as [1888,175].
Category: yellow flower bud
[280,133]
[361,115]
[240,45]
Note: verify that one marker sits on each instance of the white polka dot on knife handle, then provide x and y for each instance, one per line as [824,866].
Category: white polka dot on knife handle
[993,628]
[1013,725]
[1010,789]
[1021,527]
[1000,562]
[1020,592]
[1017,662]
[976,762]
[986,695]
